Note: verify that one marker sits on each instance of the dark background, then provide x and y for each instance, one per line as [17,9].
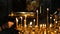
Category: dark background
[6,6]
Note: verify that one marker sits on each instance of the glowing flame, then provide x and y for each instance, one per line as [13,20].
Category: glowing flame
[16,19]
[30,23]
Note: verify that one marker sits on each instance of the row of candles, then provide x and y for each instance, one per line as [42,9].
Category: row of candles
[41,29]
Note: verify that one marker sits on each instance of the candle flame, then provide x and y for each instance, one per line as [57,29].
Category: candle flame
[16,19]
[30,23]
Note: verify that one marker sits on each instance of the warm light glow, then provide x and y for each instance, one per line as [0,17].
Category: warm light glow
[50,17]
[55,21]
[12,14]
[25,15]
[50,25]
[34,20]
[37,11]
[40,25]
[47,9]
[16,20]
[59,27]
[19,32]
[55,31]
[44,32]
[48,31]
[32,15]
[30,23]
[21,17]
[43,25]
[25,25]
[23,12]
[36,26]
[33,32]
[31,27]
[52,32]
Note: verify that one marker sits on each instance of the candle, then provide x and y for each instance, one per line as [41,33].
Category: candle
[21,20]
[55,21]
[34,22]
[52,32]
[47,9]
[11,14]
[30,23]
[37,17]
[50,25]
[19,32]
[25,25]
[40,25]
[44,32]
[33,32]
[47,17]
[16,22]
[55,31]
[50,17]
[59,27]
[36,26]
[43,25]
[25,20]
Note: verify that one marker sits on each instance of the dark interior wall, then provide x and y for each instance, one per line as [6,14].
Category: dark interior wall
[3,8]
[56,3]
[15,5]
[7,5]
[19,5]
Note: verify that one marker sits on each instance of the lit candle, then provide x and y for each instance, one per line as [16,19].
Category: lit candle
[44,32]
[50,25]
[34,22]
[36,26]
[59,27]
[11,14]
[16,22]
[43,25]
[33,32]
[48,32]
[25,20]
[50,17]
[47,17]
[52,32]
[21,20]
[19,32]
[40,25]
[55,21]
[25,25]
[47,9]
[37,17]
[30,23]
[55,32]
